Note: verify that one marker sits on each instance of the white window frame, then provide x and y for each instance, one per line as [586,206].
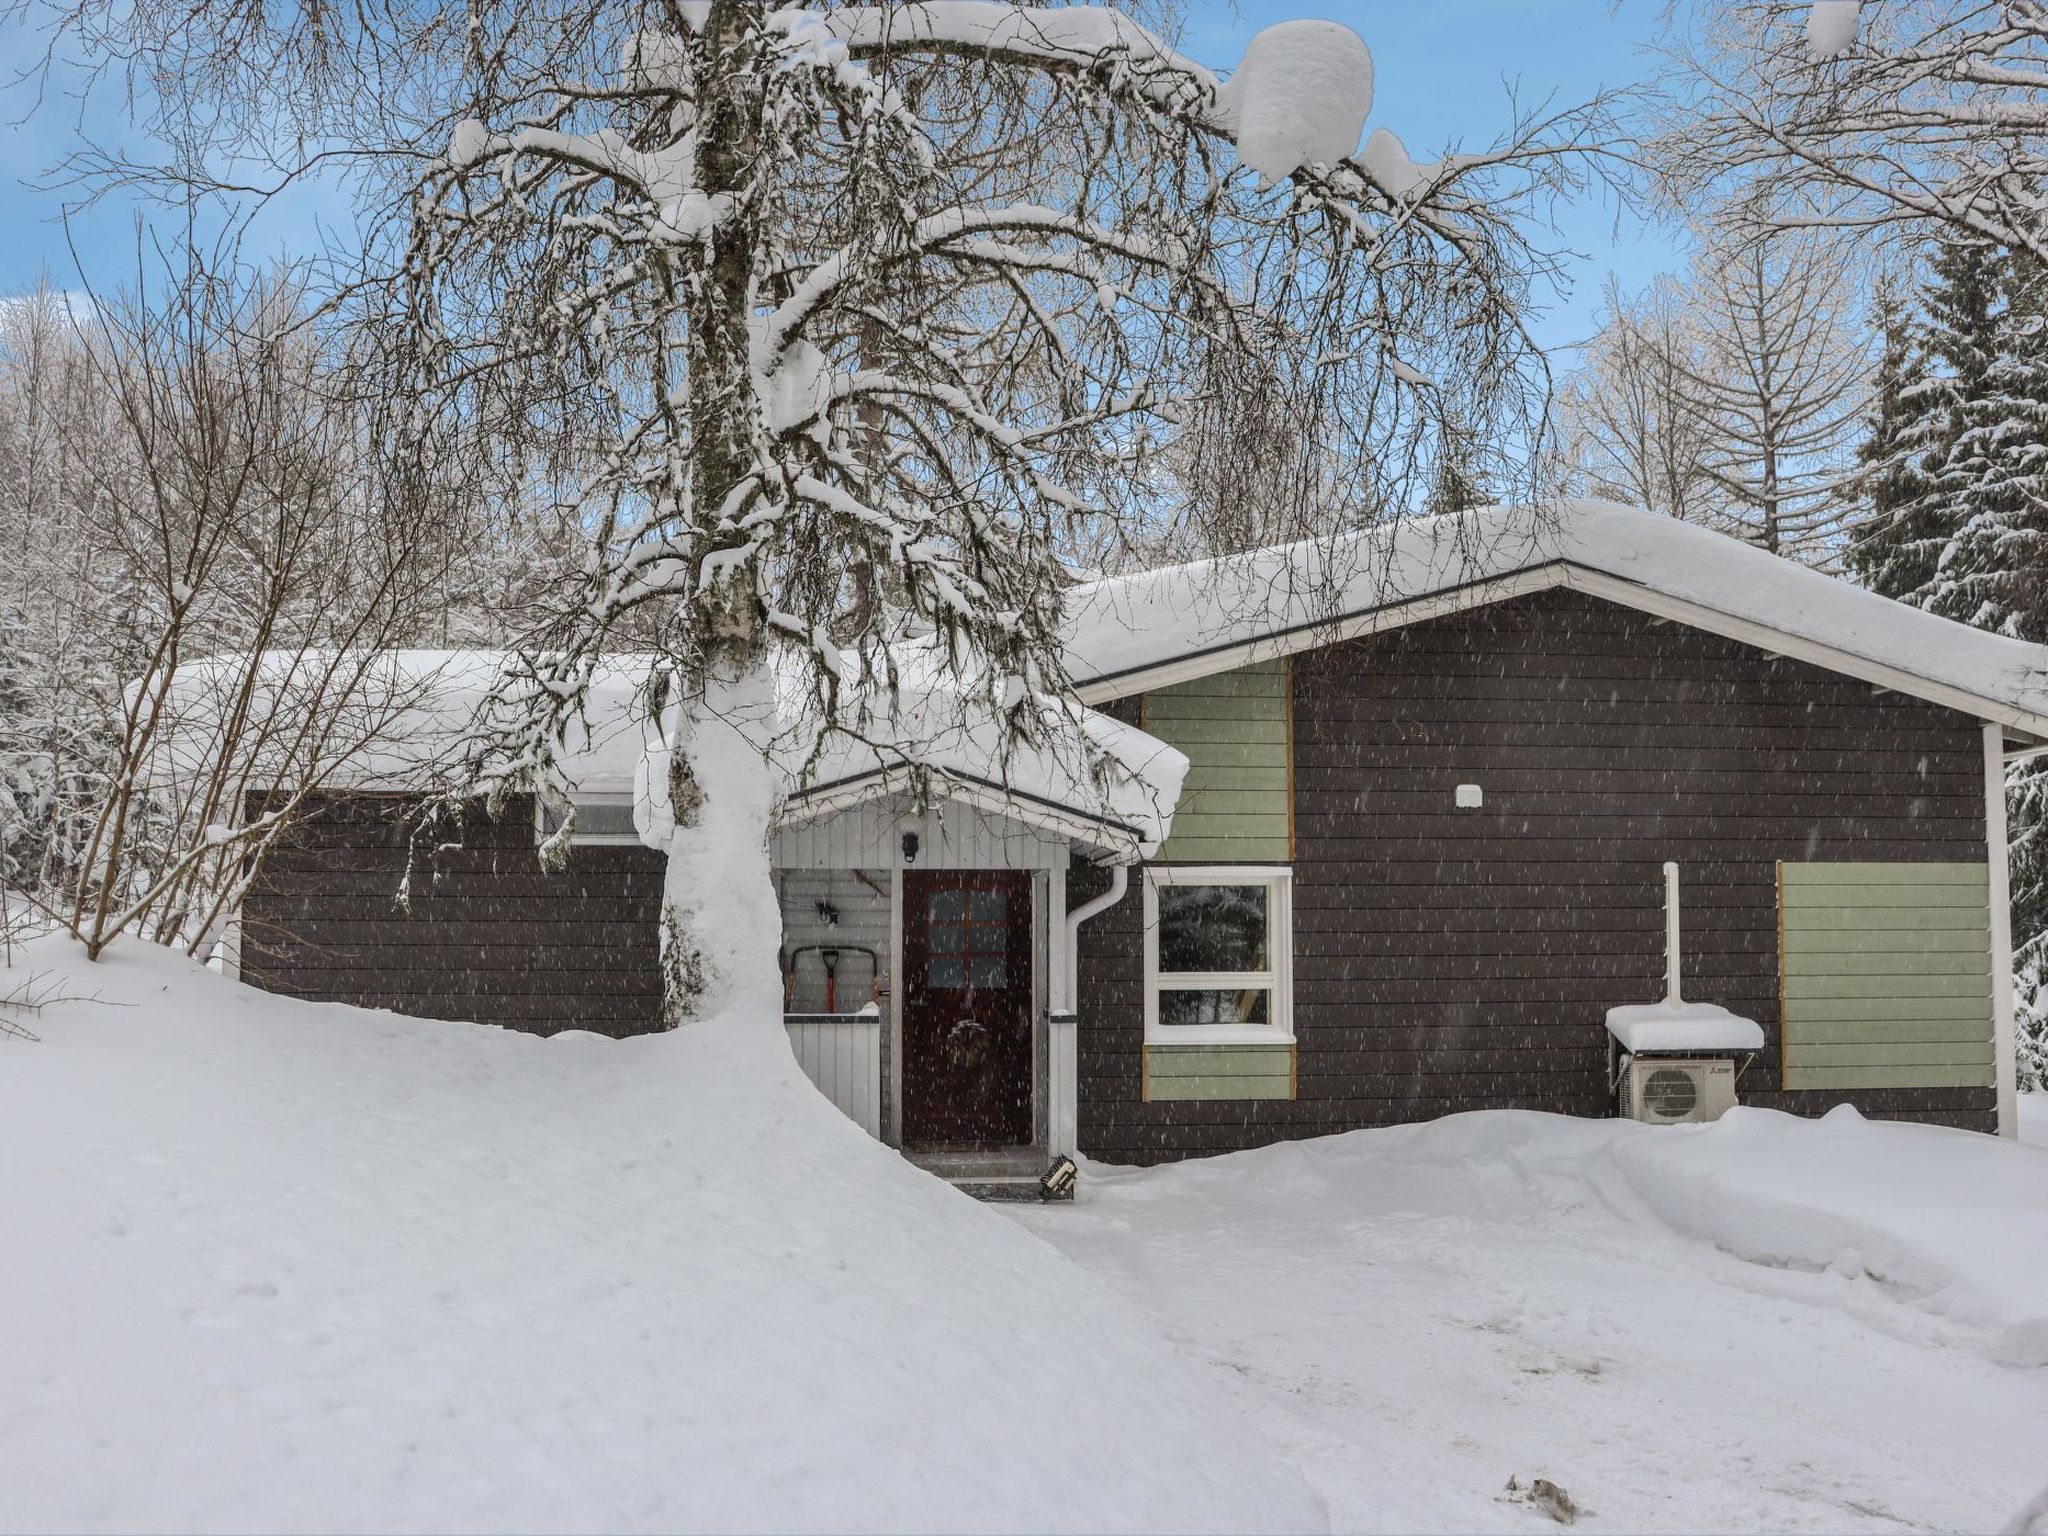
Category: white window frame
[1279,882]
[578,838]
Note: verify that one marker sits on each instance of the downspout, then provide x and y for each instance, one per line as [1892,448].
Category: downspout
[2004,1006]
[1671,962]
[1070,970]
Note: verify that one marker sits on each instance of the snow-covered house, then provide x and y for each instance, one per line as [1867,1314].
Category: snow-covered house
[1432,774]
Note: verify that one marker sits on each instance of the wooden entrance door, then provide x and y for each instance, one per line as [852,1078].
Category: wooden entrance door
[966,1009]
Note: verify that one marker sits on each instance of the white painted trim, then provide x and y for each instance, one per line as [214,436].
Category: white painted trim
[1118,842]
[892,1131]
[578,839]
[1577,578]
[1338,627]
[2004,1031]
[1279,981]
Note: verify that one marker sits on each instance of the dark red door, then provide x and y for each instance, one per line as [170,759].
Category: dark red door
[966,1009]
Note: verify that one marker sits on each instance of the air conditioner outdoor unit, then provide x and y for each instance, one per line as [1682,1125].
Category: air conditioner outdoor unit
[1672,1090]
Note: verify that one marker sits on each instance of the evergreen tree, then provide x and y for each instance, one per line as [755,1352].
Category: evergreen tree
[1994,574]
[1888,548]
[1947,358]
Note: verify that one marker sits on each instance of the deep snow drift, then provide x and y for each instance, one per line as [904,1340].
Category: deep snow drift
[274,1265]
[1421,1313]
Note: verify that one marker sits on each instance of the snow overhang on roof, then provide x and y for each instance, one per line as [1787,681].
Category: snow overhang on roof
[1132,633]
[1105,786]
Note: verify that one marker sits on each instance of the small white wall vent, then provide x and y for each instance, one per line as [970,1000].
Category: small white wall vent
[1470,797]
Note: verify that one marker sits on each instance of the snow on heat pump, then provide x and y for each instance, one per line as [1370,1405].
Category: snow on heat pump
[1676,1059]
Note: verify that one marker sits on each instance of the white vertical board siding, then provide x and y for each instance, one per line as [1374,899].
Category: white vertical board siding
[949,836]
[863,924]
[842,1054]
[1062,1085]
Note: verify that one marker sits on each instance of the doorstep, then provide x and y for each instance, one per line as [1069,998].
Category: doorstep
[1002,1173]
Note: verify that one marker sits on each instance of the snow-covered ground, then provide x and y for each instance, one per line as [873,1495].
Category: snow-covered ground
[283,1266]
[1421,1314]
[2034,1119]
[276,1266]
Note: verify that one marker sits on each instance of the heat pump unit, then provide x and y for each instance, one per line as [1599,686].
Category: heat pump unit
[1671,1090]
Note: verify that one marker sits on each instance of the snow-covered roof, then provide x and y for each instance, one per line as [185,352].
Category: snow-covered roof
[1665,1028]
[1091,778]
[1130,633]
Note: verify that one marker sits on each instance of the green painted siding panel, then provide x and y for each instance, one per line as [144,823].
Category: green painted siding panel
[1915,876]
[1886,1077]
[1886,976]
[1217,1072]
[1826,912]
[1233,727]
[1889,1031]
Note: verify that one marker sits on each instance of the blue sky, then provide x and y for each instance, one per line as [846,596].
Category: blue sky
[1443,72]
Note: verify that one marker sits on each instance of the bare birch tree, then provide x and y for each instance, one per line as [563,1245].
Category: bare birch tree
[839,327]
[1931,114]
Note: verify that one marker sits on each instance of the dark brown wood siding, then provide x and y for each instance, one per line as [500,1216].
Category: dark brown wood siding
[1451,960]
[488,935]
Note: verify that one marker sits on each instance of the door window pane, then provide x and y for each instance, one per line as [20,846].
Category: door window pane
[969,939]
[1179,1009]
[1213,928]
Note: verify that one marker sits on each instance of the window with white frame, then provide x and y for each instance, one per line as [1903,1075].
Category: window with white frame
[600,819]
[1218,947]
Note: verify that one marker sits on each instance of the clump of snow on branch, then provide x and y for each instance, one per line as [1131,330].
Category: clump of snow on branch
[1831,27]
[1299,97]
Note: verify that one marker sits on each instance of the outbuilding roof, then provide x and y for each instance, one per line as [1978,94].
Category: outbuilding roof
[1133,633]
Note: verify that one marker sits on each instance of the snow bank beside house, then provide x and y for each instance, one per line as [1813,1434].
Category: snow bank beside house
[1948,1223]
[1419,1313]
[2033,1109]
[286,1266]
[1945,1230]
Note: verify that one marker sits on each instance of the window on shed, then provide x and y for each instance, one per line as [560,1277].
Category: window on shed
[601,819]
[1217,946]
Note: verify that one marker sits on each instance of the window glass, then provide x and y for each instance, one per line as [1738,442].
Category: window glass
[1213,928]
[969,939]
[1179,1009]
[608,820]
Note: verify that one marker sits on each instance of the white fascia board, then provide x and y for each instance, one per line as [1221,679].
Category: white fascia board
[1313,636]
[1766,637]
[1578,578]
[1119,844]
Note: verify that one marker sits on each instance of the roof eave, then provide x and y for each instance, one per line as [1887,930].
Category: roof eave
[1543,576]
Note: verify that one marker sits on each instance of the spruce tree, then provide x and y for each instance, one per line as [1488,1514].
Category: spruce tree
[1887,549]
[1946,358]
[1994,574]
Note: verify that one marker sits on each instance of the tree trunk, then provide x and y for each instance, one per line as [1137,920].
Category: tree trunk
[720,922]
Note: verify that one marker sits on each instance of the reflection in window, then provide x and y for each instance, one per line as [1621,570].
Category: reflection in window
[969,939]
[1178,1009]
[1217,949]
[1212,928]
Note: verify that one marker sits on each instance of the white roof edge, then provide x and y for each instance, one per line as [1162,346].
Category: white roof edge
[1112,837]
[1561,562]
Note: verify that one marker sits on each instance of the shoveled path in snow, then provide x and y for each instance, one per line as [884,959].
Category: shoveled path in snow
[1416,1315]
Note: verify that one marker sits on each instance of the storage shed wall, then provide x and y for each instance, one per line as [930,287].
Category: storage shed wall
[1450,960]
[488,935]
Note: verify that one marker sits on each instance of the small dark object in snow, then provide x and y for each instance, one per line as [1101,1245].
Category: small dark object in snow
[1546,1496]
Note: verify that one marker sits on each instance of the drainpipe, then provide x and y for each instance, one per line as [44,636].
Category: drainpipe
[1070,977]
[1671,995]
